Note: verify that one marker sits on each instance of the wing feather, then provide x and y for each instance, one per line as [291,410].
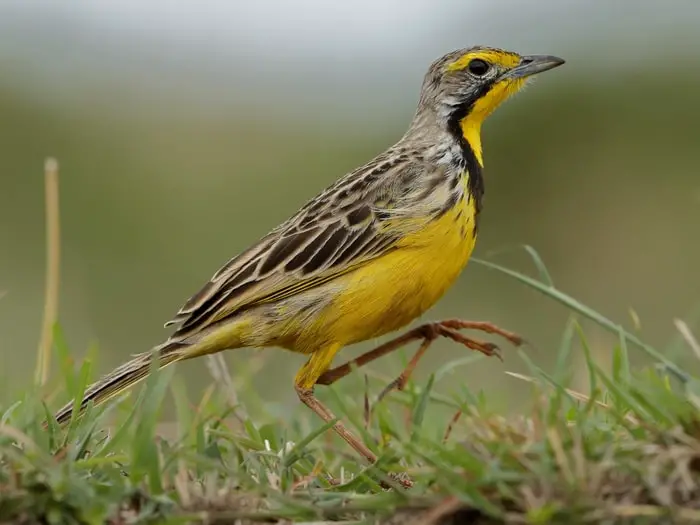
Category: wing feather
[343,228]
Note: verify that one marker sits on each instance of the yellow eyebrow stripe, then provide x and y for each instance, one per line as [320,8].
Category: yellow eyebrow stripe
[502,58]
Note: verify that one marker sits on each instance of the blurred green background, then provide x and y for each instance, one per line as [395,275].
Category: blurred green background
[186,131]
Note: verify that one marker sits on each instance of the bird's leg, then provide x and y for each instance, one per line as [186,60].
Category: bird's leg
[428,333]
[400,382]
[304,382]
[306,395]
[449,328]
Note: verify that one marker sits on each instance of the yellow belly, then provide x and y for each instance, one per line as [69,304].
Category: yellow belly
[392,291]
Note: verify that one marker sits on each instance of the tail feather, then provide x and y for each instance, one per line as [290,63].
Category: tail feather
[122,378]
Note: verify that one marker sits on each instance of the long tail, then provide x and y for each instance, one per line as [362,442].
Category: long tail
[123,377]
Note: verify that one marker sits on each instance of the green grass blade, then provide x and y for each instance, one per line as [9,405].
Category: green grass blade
[565,347]
[621,362]
[7,415]
[588,312]
[420,407]
[80,385]
[185,418]
[545,276]
[590,362]
[146,456]
[65,360]
[298,449]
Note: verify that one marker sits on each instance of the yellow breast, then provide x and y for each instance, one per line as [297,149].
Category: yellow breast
[395,289]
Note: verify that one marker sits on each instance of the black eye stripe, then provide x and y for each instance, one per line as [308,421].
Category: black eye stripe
[478,67]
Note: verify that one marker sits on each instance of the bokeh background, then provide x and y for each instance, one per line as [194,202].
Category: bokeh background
[185,131]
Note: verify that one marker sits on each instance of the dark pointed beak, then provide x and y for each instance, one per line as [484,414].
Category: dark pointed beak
[533,64]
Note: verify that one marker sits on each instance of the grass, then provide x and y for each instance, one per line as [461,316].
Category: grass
[625,451]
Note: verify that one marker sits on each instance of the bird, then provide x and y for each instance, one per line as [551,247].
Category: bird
[367,256]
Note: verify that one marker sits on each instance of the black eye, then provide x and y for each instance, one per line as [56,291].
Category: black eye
[478,67]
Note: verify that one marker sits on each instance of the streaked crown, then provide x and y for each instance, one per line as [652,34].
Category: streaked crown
[478,79]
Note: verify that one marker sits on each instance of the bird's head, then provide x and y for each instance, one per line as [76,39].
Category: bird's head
[463,87]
